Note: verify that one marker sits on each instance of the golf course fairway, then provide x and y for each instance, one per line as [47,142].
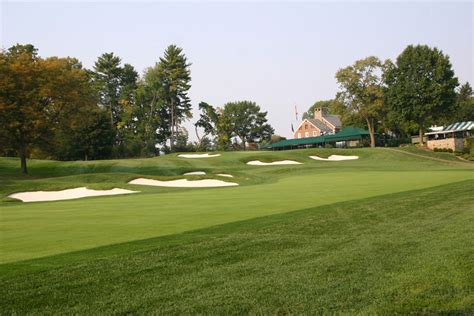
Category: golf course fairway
[390,231]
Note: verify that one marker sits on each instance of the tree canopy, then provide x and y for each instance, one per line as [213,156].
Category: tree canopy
[54,108]
[324,104]
[173,83]
[421,86]
[361,91]
[247,121]
[464,109]
[40,99]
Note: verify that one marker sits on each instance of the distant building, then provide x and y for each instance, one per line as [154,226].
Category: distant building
[322,124]
[450,137]
[346,137]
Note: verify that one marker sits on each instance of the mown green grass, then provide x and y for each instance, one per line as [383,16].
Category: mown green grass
[409,252]
[390,232]
[31,230]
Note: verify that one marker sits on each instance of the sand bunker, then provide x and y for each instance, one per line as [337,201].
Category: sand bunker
[225,175]
[194,173]
[281,162]
[69,194]
[184,183]
[335,158]
[198,155]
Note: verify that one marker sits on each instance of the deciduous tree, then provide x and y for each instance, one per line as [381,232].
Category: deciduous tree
[361,91]
[40,99]
[464,110]
[22,107]
[247,121]
[421,86]
[208,121]
[326,104]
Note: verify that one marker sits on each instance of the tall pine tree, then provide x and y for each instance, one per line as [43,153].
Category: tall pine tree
[174,82]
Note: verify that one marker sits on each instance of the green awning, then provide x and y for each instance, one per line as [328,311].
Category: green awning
[346,134]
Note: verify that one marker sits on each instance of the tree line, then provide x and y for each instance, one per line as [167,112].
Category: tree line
[54,108]
[400,98]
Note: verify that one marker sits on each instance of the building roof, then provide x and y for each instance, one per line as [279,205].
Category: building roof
[320,125]
[348,133]
[334,120]
[455,127]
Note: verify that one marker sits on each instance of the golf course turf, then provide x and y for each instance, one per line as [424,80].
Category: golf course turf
[389,232]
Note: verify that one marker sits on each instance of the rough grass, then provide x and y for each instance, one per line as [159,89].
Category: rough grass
[408,252]
[432,154]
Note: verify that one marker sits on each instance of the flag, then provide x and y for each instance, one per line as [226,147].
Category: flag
[292,129]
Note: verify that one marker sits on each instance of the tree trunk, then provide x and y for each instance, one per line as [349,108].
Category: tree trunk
[112,117]
[422,132]
[24,169]
[172,127]
[370,125]
[243,143]
[197,135]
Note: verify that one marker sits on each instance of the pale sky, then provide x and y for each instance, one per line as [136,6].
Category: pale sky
[278,54]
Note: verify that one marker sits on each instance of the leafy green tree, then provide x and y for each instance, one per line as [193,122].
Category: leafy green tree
[174,82]
[421,86]
[361,91]
[208,121]
[247,121]
[73,110]
[464,110]
[89,137]
[204,144]
[325,104]
[182,137]
[347,116]
[225,130]
[148,114]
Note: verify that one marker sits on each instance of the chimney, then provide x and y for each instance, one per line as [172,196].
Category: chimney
[318,113]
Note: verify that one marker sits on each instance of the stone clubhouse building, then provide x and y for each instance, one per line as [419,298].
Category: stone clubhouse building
[450,137]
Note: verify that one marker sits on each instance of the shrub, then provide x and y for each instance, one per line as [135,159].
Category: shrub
[469,146]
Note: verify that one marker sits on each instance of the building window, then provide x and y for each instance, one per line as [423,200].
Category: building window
[306,126]
[315,133]
[299,135]
[306,134]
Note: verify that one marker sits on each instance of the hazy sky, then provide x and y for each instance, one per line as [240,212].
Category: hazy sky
[277,54]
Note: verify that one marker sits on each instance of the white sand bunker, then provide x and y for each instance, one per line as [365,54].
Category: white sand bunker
[184,183]
[194,173]
[225,175]
[68,194]
[198,155]
[281,162]
[335,158]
